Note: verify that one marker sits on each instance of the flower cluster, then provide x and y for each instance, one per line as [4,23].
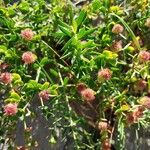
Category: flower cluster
[44,95]
[10,109]
[5,78]
[27,34]
[103,125]
[140,85]
[117,28]
[104,74]
[88,94]
[28,57]
[135,115]
[144,56]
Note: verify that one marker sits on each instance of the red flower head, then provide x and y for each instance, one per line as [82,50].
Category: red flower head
[138,113]
[130,118]
[103,125]
[28,57]
[81,87]
[10,109]
[27,34]
[6,78]
[144,56]
[44,95]
[117,28]
[104,74]
[135,115]
[116,46]
[3,66]
[140,85]
[88,94]
[106,145]
[145,101]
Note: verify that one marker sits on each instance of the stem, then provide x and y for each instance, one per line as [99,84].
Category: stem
[55,52]
[41,68]
[129,30]
[38,74]
[69,110]
[42,104]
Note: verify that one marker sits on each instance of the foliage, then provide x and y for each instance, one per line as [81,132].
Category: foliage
[72,42]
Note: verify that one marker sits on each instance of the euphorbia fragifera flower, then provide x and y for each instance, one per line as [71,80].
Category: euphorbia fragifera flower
[81,87]
[6,78]
[106,145]
[44,94]
[116,46]
[10,109]
[88,94]
[27,34]
[144,56]
[103,125]
[117,28]
[145,101]
[140,85]
[104,74]
[29,57]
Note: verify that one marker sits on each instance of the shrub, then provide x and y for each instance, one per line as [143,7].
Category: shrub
[87,62]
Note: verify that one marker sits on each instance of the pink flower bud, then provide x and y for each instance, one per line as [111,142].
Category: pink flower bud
[106,145]
[147,23]
[27,34]
[28,57]
[130,118]
[88,94]
[103,125]
[10,109]
[44,95]
[6,78]
[137,113]
[3,66]
[81,87]
[116,46]
[104,74]
[144,56]
[145,101]
[140,85]
[117,28]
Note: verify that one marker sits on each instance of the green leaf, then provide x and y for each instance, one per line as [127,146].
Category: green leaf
[24,6]
[109,55]
[16,76]
[14,95]
[44,61]
[12,100]
[89,44]
[45,86]
[66,80]
[33,85]
[63,24]
[129,30]
[65,31]
[53,72]
[52,140]
[83,33]
[74,25]
[96,4]
[148,82]
[144,72]
[3,49]
[81,18]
